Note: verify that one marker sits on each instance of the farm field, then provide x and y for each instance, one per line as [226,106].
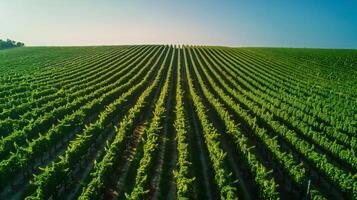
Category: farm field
[178,122]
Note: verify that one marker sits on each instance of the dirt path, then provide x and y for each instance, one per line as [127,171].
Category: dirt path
[129,155]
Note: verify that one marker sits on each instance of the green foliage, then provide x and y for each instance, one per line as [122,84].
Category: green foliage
[67,116]
[6,44]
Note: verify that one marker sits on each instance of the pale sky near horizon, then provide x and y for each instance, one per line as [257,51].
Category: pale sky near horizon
[304,23]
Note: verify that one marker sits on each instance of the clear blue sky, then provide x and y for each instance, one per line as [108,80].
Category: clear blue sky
[291,23]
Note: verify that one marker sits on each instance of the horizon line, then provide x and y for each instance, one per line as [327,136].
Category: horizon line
[186,44]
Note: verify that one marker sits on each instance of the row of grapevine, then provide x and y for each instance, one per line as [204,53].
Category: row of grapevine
[52,101]
[301,145]
[183,173]
[25,156]
[267,185]
[44,122]
[45,184]
[151,135]
[177,122]
[312,103]
[293,168]
[38,86]
[211,136]
[103,169]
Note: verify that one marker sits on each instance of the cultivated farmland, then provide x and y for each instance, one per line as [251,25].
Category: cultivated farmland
[177,122]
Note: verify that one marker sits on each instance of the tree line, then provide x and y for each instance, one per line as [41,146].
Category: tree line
[5,44]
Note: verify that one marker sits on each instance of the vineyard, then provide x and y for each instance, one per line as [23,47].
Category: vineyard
[178,122]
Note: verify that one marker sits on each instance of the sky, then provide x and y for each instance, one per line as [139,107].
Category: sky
[275,23]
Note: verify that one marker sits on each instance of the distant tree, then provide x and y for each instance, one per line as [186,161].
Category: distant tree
[5,44]
[20,44]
